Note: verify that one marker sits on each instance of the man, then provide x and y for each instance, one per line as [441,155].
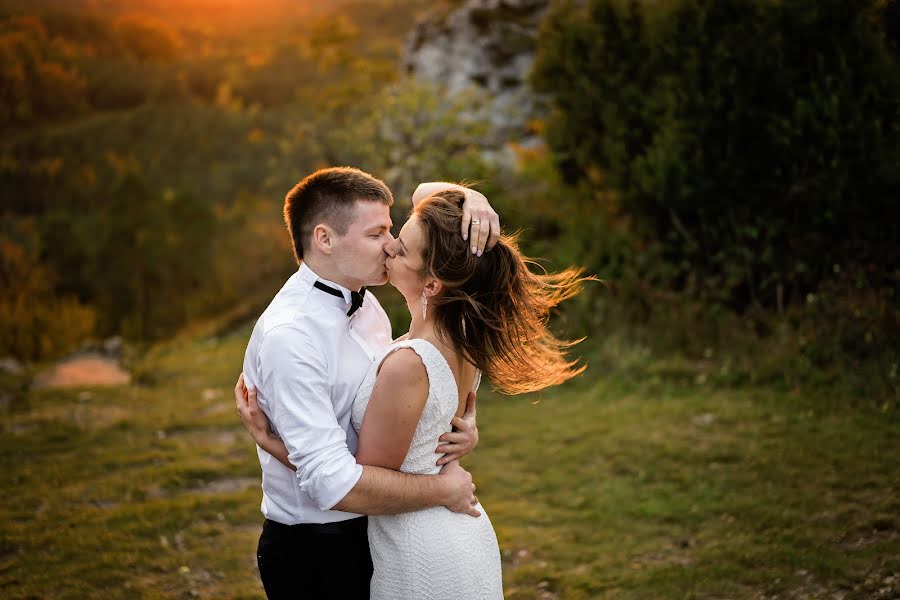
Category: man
[307,356]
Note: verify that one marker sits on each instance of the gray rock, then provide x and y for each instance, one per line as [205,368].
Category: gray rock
[113,346]
[487,44]
[11,365]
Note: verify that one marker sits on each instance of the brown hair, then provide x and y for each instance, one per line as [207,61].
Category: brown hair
[328,196]
[492,308]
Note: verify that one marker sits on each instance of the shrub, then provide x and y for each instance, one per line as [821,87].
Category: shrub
[757,141]
[35,323]
[148,38]
[37,79]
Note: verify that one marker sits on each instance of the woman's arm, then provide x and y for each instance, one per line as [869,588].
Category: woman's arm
[379,491]
[453,445]
[394,409]
[257,424]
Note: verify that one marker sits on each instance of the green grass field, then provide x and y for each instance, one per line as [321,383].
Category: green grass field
[611,487]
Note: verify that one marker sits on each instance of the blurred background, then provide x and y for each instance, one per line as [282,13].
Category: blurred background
[729,168]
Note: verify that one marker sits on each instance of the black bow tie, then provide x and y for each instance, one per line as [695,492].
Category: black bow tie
[356,298]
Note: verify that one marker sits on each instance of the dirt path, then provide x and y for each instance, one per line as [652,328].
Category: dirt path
[85,369]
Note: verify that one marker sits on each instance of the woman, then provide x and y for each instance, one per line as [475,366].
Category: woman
[470,315]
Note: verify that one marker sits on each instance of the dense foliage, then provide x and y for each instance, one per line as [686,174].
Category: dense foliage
[728,167]
[145,155]
[756,142]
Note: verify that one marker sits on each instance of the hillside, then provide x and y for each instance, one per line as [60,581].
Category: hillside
[613,487]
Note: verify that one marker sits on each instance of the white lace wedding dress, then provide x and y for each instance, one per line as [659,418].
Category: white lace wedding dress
[434,553]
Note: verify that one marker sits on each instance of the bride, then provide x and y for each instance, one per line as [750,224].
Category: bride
[470,315]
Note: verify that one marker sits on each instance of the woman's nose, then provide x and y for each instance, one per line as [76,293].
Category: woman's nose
[390,248]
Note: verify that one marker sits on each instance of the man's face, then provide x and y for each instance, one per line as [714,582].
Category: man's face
[359,254]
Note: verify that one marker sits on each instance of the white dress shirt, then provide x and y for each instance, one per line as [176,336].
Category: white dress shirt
[306,359]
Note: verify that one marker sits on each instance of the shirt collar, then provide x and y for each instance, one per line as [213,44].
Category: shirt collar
[309,277]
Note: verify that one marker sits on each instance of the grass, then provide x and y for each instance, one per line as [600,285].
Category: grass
[615,486]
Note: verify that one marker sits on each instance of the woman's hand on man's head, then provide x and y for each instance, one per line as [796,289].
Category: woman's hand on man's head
[480,222]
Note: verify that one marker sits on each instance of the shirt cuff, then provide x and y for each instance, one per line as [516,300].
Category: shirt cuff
[329,488]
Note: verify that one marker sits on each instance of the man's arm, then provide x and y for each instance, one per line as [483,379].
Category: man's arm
[477,214]
[317,444]
[378,491]
[382,491]
[296,393]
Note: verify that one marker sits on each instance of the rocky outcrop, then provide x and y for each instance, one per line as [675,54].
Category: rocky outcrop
[488,44]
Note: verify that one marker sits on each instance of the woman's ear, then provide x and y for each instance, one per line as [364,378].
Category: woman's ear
[323,238]
[433,287]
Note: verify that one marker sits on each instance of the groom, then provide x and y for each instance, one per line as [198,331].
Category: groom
[307,356]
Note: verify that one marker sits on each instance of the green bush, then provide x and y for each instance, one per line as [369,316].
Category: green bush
[153,187]
[841,339]
[37,78]
[145,37]
[35,322]
[757,141]
[153,252]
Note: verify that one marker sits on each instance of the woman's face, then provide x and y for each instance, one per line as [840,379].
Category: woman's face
[404,262]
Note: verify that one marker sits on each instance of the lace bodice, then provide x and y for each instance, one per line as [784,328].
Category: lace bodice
[440,406]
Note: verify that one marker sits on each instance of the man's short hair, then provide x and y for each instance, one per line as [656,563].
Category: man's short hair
[328,196]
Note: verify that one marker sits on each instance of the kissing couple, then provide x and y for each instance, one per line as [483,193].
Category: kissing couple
[349,423]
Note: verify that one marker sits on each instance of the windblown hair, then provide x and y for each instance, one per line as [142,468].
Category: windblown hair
[328,196]
[494,309]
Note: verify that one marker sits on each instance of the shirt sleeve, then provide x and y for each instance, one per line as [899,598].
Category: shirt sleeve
[294,380]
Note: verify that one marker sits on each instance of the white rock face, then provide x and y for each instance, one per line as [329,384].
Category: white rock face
[488,44]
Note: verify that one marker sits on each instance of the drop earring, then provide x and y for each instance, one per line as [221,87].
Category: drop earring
[424,305]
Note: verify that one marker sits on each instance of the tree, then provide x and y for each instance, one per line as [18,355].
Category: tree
[757,140]
[37,79]
[35,322]
[148,38]
[153,255]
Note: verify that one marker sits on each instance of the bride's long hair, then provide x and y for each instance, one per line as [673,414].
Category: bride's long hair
[493,308]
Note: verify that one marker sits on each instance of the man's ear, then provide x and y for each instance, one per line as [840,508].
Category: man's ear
[323,238]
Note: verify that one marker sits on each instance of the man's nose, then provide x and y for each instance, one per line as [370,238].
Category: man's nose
[390,247]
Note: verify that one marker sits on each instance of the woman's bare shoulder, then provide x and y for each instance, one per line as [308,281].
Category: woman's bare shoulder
[402,366]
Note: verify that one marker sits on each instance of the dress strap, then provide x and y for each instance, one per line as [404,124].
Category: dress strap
[431,358]
[424,349]
[440,376]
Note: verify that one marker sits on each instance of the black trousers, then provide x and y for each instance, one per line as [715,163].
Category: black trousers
[312,561]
